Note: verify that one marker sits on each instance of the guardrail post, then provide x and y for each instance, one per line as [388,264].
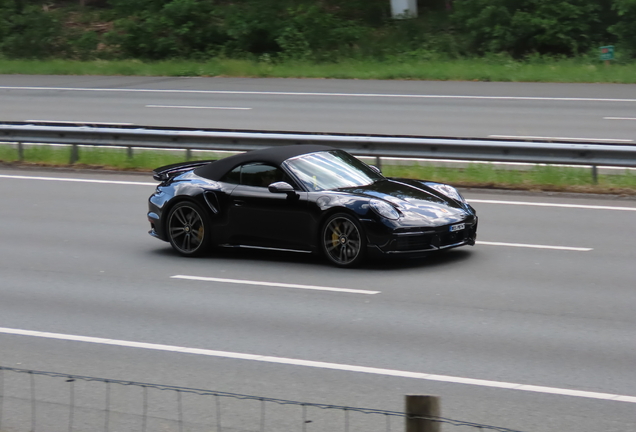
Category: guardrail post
[74,154]
[419,411]
[20,152]
[130,152]
[378,162]
[594,174]
[188,155]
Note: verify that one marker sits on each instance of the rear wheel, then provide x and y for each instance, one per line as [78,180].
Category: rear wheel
[189,230]
[343,241]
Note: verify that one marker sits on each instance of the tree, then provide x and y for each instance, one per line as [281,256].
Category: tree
[521,27]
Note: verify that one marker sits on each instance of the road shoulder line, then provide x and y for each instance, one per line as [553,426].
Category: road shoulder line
[326,365]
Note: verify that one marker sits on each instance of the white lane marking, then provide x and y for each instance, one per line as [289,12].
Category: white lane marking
[79,122]
[534,246]
[539,204]
[274,284]
[560,138]
[325,365]
[281,93]
[478,201]
[78,180]
[619,118]
[196,107]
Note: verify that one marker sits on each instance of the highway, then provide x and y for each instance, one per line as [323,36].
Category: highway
[588,112]
[545,299]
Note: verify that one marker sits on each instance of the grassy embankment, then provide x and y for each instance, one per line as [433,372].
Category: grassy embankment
[535,178]
[478,69]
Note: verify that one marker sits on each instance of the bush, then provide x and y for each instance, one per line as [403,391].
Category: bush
[28,31]
[158,29]
[288,29]
[624,28]
[521,27]
[313,30]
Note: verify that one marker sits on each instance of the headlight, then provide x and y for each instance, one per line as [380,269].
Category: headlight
[447,190]
[384,209]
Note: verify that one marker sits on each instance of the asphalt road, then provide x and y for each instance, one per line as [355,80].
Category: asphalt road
[604,112]
[77,261]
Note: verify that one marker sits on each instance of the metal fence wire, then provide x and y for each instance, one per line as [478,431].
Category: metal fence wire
[37,401]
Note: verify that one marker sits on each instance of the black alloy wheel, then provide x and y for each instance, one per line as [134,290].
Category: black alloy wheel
[343,241]
[189,231]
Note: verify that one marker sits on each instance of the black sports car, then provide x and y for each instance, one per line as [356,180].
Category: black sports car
[305,198]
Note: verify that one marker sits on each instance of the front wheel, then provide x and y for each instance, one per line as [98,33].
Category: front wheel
[189,230]
[343,241]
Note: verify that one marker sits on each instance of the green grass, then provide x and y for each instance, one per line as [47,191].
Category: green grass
[101,157]
[142,160]
[504,69]
[539,178]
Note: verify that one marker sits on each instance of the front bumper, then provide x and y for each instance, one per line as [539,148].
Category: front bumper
[404,241]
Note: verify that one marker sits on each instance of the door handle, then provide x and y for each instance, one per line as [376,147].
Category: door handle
[239,203]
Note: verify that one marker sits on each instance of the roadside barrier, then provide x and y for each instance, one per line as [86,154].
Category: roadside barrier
[49,402]
[378,146]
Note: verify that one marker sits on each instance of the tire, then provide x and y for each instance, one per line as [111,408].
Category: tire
[189,229]
[343,240]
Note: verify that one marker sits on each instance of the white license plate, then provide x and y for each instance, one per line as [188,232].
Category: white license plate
[457,227]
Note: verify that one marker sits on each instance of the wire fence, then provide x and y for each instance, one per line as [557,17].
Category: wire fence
[38,401]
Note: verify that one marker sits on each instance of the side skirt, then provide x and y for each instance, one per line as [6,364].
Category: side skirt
[265,248]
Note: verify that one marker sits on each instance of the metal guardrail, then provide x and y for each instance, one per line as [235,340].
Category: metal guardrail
[366,145]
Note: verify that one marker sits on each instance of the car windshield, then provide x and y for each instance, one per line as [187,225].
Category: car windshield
[334,169]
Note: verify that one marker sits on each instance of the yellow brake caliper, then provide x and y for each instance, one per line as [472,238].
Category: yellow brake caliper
[335,239]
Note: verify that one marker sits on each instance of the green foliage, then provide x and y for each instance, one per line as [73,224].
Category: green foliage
[157,29]
[522,27]
[307,30]
[624,28]
[28,31]
[320,31]
[287,29]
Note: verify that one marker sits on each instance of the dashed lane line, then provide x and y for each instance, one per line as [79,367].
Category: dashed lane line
[325,94]
[535,246]
[274,284]
[197,107]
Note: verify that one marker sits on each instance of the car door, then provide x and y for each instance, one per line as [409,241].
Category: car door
[262,218]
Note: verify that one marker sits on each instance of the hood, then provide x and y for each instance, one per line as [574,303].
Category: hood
[415,201]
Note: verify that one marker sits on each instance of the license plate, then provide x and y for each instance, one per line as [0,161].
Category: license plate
[457,227]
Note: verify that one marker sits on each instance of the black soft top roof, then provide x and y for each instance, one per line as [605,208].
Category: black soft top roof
[273,155]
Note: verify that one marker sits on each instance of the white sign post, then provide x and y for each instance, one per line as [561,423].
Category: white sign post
[404,8]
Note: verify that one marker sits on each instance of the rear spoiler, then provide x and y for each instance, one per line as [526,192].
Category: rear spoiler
[168,171]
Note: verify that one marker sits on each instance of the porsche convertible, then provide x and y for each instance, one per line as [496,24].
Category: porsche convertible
[307,199]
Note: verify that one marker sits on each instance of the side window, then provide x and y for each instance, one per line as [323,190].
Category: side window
[260,175]
[233,176]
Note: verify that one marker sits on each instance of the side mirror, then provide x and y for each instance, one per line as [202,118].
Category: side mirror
[376,169]
[281,187]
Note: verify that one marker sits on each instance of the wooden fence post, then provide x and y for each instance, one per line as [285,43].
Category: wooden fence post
[419,409]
